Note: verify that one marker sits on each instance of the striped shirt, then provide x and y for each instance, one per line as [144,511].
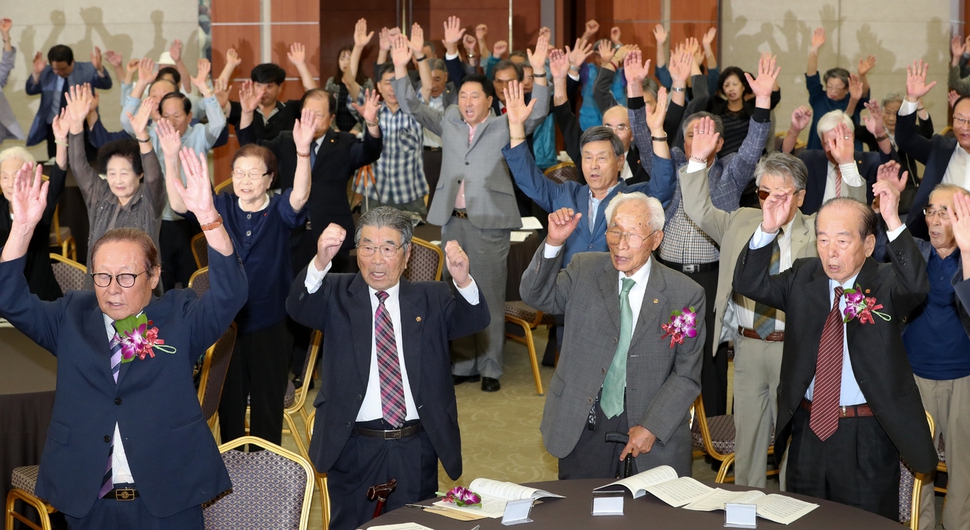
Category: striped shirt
[399,172]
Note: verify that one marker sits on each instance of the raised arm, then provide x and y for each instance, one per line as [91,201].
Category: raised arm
[232,62]
[248,102]
[171,144]
[196,195]
[801,117]
[297,56]
[706,42]
[361,40]
[117,64]
[303,129]
[424,69]
[428,117]
[79,100]
[818,39]
[696,191]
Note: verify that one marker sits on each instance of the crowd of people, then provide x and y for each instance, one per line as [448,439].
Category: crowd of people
[832,270]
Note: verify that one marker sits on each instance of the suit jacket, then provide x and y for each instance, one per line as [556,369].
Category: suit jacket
[934,153]
[817,163]
[431,316]
[925,129]
[47,87]
[9,127]
[172,455]
[662,382]
[731,231]
[876,350]
[489,194]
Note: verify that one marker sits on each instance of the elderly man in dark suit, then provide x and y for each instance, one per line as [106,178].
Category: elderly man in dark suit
[847,397]
[386,407]
[126,425]
[621,366]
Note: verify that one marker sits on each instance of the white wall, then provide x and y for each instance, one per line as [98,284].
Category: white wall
[896,32]
[133,29]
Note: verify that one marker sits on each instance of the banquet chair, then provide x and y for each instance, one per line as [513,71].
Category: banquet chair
[70,275]
[296,397]
[61,236]
[321,481]
[224,186]
[24,479]
[715,436]
[200,250]
[199,281]
[560,173]
[425,263]
[215,366]
[271,488]
[941,466]
[910,487]
[527,318]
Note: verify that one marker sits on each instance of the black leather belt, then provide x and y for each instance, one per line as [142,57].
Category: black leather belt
[851,411]
[431,148]
[122,494]
[392,434]
[461,214]
[690,268]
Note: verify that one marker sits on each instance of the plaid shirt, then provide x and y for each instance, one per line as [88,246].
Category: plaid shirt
[683,241]
[399,171]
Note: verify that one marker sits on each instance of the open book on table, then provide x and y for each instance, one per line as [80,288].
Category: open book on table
[773,507]
[662,482]
[496,494]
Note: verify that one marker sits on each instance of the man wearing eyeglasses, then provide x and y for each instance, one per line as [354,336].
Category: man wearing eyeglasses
[619,370]
[758,331]
[386,407]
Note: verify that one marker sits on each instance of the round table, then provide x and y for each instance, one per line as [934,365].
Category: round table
[574,512]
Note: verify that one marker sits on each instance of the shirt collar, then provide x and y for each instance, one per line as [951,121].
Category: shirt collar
[261,208]
[641,276]
[392,292]
[608,192]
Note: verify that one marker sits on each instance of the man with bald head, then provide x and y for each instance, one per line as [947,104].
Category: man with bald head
[846,398]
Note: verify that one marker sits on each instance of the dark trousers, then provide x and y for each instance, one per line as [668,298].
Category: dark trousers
[178,263]
[593,457]
[367,461]
[713,368]
[258,370]
[111,513]
[858,465]
[432,170]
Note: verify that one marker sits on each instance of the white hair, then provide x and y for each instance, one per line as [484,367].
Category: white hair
[829,120]
[16,152]
[652,204]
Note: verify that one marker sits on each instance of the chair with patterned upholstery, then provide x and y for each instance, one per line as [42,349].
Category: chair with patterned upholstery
[215,366]
[321,480]
[425,263]
[224,186]
[61,236]
[715,435]
[271,488]
[24,479]
[562,172]
[200,251]
[70,275]
[527,318]
[910,487]
[199,281]
[296,397]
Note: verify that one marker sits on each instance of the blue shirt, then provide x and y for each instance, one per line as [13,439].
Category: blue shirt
[936,344]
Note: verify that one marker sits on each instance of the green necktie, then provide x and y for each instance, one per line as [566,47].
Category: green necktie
[615,384]
[765,316]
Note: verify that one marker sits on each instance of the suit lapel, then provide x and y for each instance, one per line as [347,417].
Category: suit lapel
[653,299]
[800,237]
[868,280]
[98,340]
[480,131]
[610,287]
[412,317]
[329,140]
[360,313]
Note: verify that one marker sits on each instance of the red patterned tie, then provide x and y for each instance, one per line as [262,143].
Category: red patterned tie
[824,418]
[388,366]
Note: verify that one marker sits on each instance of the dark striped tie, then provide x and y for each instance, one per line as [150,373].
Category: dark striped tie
[824,418]
[388,366]
[765,315]
[106,482]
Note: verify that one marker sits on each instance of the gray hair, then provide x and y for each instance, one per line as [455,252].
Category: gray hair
[837,73]
[783,164]
[16,152]
[868,220]
[437,64]
[689,122]
[602,133]
[829,120]
[892,97]
[388,217]
[651,86]
[952,188]
[653,206]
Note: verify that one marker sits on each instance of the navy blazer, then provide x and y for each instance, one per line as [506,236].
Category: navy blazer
[817,163]
[84,72]
[934,153]
[171,452]
[431,315]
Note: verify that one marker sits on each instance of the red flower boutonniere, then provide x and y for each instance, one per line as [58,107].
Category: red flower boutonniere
[139,338]
[682,324]
[859,305]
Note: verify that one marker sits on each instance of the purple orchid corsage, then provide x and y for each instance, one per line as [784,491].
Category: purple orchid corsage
[139,339]
[462,497]
[857,304]
[682,324]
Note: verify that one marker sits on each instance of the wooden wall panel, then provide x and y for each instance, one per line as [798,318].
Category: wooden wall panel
[294,11]
[245,40]
[228,11]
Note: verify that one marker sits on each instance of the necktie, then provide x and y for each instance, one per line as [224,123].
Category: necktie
[824,418]
[106,483]
[388,366]
[838,181]
[765,316]
[614,386]
[313,153]
[504,110]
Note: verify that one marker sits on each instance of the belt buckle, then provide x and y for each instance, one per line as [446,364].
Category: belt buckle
[393,435]
[125,494]
[843,411]
[689,268]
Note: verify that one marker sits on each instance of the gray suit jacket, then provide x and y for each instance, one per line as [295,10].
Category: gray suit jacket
[489,195]
[662,382]
[732,230]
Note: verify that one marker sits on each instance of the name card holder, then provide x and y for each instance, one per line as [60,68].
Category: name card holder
[740,515]
[517,512]
[607,503]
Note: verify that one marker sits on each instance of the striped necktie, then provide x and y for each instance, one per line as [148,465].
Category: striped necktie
[388,366]
[824,417]
[764,315]
[106,483]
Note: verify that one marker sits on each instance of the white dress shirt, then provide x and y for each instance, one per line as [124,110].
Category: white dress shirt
[959,165]
[625,172]
[120,471]
[850,177]
[744,306]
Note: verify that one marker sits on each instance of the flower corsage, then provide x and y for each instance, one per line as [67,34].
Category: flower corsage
[859,305]
[462,497]
[139,338]
[682,324]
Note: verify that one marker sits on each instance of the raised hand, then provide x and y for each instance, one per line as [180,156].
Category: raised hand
[775,211]
[96,58]
[481,32]
[175,50]
[840,145]
[537,58]
[361,37]
[29,195]
[767,75]
[5,25]
[384,40]
[199,81]
[952,97]
[515,108]
[328,244]
[303,130]
[960,221]
[545,31]
[656,115]
[39,63]
[297,53]
[660,34]
[220,89]
[818,39]
[916,85]
[114,58]
[873,121]
[146,71]
[417,39]
[562,222]
[680,64]
[169,139]
[248,98]
[592,26]
[866,64]
[500,48]
[132,66]
[558,64]
[372,104]
[400,50]
[62,125]
[469,43]
[957,47]
[855,87]
[705,139]
[453,30]
[886,198]
[139,122]
[457,262]
[634,71]
[695,49]
[708,38]
[577,56]
[78,99]
[605,50]
[801,117]
[889,173]
[197,193]
[232,58]
[615,36]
